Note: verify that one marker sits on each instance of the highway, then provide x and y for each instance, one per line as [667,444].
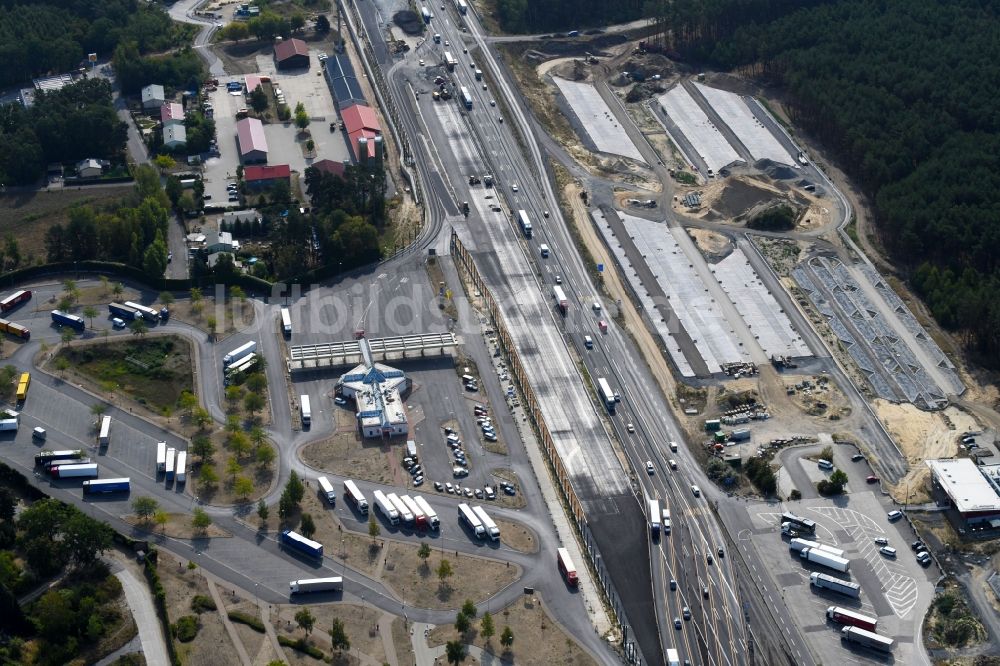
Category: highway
[489,146]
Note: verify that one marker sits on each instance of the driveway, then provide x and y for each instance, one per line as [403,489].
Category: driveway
[140,602]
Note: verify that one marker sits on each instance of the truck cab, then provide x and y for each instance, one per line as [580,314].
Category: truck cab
[544,249]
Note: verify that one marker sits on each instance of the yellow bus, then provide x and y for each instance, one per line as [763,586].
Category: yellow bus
[22,386]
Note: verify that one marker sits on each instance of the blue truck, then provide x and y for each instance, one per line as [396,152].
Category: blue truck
[123,485]
[302,544]
[63,319]
[123,311]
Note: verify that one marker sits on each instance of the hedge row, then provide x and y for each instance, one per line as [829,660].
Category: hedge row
[249,620]
[301,645]
[160,599]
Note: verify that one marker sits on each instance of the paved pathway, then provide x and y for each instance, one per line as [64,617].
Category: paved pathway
[140,602]
[233,636]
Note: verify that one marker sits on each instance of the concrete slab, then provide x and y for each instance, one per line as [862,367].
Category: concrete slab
[712,147]
[733,111]
[597,119]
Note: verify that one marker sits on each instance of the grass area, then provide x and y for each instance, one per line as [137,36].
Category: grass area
[950,622]
[517,536]
[152,371]
[537,639]
[685,178]
[28,216]
[852,230]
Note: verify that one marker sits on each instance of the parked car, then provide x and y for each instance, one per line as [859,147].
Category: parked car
[924,557]
[438,486]
[686,613]
[888,551]
[882,541]
[894,515]
[857,456]
[649,467]
[871,478]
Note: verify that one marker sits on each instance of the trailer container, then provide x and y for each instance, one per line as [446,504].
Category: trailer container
[63,319]
[332,584]
[286,322]
[15,299]
[52,457]
[849,617]
[466,97]
[433,521]
[798,544]
[83,470]
[467,516]
[463,7]
[9,420]
[449,61]
[607,395]
[306,410]
[104,436]
[354,497]
[107,486]
[180,469]
[740,435]
[492,531]
[123,311]
[22,386]
[845,587]
[386,508]
[867,639]
[713,425]
[566,567]
[404,513]
[147,313]
[426,14]
[239,352]
[326,491]
[525,222]
[672,658]
[171,459]
[303,545]
[561,300]
[818,556]
[419,519]
[241,369]
[654,517]
[161,456]
[16,330]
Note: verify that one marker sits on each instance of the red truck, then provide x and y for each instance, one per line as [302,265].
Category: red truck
[849,617]
[566,567]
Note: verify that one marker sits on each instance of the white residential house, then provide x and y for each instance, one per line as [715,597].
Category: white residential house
[89,168]
[153,96]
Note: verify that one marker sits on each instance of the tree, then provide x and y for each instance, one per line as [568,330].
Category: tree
[233,424]
[262,510]
[201,417]
[200,520]
[257,436]
[486,626]
[8,504]
[202,447]
[257,382]
[423,553]
[253,403]
[145,507]
[90,312]
[294,487]
[373,528]
[301,116]
[207,477]
[305,620]
[239,444]
[469,609]
[242,486]
[54,616]
[297,21]
[67,334]
[462,622]
[444,570]
[98,409]
[164,162]
[117,289]
[187,401]
[338,636]
[139,328]
[258,99]
[265,455]
[507,638]
[322,24]
[196,295]
[306,526]
[85,538]
[154,261]
[167,298]
[233,467]
[839,477]
[455,652]
[161,518]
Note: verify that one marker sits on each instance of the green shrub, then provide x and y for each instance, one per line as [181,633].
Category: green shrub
[186,628]
[247,619]
[201,603]
[302,646]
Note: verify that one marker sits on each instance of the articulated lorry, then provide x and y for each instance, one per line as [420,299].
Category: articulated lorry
[332,584]
[845,587]
[799,544]
[867,638]
[302,544]
[849,617]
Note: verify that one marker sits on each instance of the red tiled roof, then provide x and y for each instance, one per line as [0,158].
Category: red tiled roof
[254,173]
[171,111]
[360,116]
[290,47]
[329,166]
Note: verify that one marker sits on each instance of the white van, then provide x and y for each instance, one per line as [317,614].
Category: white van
[588,342]
[544,249]
[825,464]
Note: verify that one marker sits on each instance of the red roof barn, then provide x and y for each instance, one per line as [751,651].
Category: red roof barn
[291,54]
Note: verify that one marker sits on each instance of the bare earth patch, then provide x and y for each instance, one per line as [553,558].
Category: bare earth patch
[178,527]
[360,624]
[346,453]
[517,536]
[473,577]
[537,639]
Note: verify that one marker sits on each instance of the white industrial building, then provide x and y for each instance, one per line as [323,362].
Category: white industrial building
[974,490]
[376,389]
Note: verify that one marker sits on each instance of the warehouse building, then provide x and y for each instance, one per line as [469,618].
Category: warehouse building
[973,490]
[291,54]
[259,178]
[363,131]
[251,140]
[343,82]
